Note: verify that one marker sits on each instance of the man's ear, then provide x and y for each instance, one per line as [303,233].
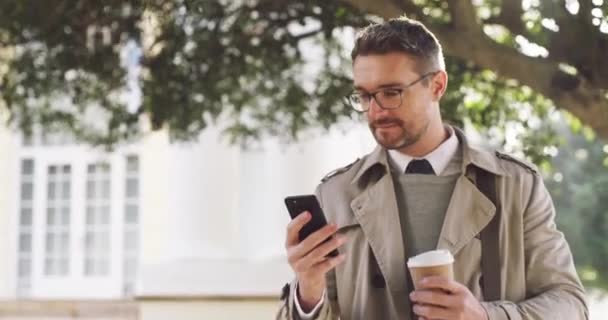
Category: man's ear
[439,83]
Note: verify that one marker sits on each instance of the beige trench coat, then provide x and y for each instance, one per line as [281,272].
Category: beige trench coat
[538,276]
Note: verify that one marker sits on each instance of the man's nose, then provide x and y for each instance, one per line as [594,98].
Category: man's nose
[374,107]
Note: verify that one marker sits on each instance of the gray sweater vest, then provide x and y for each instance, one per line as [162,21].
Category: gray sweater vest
[422,201]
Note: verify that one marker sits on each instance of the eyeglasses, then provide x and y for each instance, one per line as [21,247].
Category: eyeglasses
[389,98]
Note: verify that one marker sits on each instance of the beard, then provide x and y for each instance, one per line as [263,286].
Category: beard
[400,136]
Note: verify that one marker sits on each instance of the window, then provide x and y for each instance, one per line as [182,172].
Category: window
[131,221]
[57,239]
[24,247]
[97,221]
[76,224]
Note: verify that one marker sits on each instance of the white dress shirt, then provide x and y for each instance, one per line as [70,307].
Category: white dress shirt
[440,158]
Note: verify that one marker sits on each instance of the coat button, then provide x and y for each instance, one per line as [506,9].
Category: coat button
[378,281]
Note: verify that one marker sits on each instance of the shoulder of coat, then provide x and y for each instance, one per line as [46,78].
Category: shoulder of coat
[338,171]
[521,163]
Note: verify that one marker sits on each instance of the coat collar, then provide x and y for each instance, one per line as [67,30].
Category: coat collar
[471,156]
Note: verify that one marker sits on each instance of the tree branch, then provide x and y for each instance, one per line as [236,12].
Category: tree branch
[510,17]
[464,16]
[575,94]
[307,34]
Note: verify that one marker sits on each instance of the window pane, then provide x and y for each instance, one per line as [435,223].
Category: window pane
[66,169]
[51,218]
[132,188]
[105,189]
[91,168]
[49,267]
[50,190]
[27,166]
[89,243]
[65,189]
[26,217]
[63,266]
[129,268]
[131,241]
[27,191]
[25,268]
[104,215]
[25,242]
[90,189]
[89,267]
[50,245]
[52,170]
[64,244]
[103,267]
[65,216]
[104,243]
[131,213]
[90,215]
[132,164]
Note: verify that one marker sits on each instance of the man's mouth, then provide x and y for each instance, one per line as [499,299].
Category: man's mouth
[385,124]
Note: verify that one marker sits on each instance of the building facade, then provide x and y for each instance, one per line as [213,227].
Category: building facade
[181,230]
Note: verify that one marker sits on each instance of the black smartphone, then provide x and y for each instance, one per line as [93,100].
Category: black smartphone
[298,204]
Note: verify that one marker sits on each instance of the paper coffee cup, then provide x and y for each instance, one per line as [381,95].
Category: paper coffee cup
[431,263]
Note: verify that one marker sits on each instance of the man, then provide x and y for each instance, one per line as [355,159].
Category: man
[418,191]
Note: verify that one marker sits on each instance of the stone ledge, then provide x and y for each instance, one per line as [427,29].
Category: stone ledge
[116,309]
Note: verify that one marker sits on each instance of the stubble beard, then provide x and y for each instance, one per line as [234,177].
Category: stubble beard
[405,139]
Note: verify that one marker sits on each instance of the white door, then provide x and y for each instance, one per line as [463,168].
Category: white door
[82,228]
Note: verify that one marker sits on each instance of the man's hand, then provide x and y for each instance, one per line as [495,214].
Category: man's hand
[438,298]
[308,258]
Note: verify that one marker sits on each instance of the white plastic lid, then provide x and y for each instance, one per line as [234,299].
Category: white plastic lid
[431,258]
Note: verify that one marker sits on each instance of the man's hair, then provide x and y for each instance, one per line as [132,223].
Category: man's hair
[401,35]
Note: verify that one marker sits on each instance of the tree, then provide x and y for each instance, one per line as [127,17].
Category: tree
[511,64]
[579,185]
[243,61]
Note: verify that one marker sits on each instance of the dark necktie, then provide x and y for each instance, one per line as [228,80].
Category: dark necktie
[419,167]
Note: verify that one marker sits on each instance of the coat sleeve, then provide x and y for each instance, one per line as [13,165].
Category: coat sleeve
[328,311]
[288,311]
[554,290]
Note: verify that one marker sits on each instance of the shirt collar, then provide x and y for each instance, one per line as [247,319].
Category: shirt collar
[470,156]
[438,158]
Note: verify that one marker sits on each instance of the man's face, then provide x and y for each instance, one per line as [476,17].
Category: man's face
[401,127]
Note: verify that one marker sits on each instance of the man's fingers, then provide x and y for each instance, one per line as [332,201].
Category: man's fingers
[432,312]
[437,298]
[320,252]
[329,263]
[317,237]
[294,227]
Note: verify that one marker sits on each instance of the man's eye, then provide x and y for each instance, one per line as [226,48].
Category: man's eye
[390,93]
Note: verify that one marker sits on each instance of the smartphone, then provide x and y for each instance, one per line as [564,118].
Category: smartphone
[298,204]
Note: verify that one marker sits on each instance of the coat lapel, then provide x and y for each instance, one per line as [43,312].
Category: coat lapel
[468,213]
[469,210]
[376,211]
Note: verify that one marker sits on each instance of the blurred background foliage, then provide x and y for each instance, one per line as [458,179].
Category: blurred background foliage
[98,69]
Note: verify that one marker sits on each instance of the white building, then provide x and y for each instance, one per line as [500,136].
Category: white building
[166,230]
